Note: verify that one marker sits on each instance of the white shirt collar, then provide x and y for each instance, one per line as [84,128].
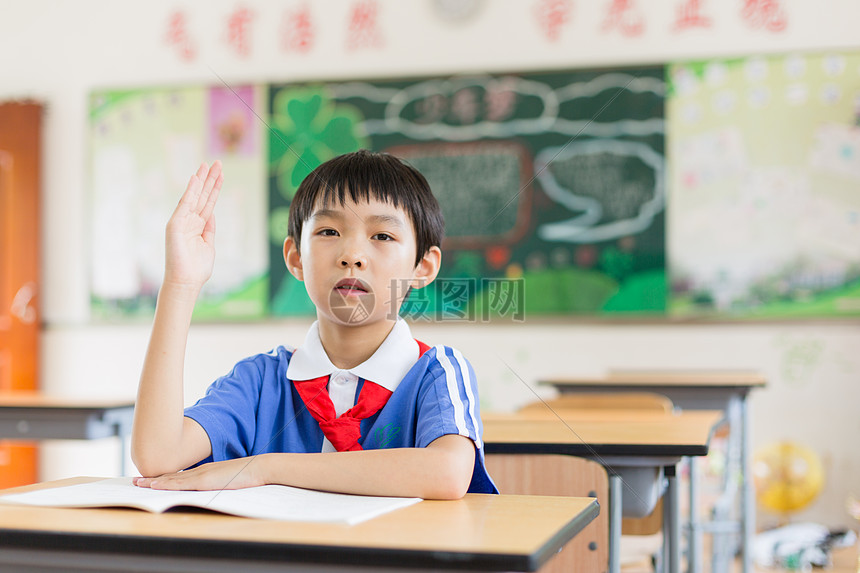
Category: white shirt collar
[386,367]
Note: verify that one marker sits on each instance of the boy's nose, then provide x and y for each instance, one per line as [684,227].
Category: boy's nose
[353,260]
[353,252]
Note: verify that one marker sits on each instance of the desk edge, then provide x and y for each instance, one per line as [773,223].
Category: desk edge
[566,534]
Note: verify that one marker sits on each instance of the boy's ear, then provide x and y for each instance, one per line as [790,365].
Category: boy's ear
[293,259]
[427,268]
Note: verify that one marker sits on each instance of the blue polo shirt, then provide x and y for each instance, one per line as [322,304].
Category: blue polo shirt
[255,409]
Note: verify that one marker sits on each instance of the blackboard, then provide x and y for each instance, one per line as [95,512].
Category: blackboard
[552,184]
[495,210]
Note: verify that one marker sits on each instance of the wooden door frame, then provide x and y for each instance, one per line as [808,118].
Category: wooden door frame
[20,256]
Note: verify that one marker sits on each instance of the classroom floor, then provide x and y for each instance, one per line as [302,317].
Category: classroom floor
[635,558]
[636,550]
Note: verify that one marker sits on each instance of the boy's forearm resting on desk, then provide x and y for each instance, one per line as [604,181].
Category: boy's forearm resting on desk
[442,470]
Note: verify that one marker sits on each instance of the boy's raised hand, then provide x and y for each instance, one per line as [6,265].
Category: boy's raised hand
[190,235]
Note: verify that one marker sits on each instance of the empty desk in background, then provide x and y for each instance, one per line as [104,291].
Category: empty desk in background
[35,416]
[479,532]
[697,390]
[622,441]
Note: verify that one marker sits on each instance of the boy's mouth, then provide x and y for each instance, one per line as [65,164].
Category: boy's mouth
[351,287]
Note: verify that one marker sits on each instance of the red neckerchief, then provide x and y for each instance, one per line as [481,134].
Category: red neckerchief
[344,431]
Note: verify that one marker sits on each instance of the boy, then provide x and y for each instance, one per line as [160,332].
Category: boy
[361,407]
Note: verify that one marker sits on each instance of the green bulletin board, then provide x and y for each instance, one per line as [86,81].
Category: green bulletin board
[552,184]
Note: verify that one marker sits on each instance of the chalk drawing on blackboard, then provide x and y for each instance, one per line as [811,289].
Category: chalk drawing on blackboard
[475,182]
[577,118]
[467,108]
[460,108]
[602,180]
[607,81]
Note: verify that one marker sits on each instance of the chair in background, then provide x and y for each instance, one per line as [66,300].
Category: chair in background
[598,401]
[590,401]
[647,401]
[538,474]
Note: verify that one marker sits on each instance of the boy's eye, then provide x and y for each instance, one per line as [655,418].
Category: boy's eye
[383,237]
[327,233]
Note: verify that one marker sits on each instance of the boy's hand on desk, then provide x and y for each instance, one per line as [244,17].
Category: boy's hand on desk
[230,474]
[442,470]
[190,235]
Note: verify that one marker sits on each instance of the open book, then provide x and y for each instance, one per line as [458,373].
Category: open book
[267,502]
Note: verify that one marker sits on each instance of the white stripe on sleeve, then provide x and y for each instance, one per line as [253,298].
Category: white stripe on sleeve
[453,390]
[467,381]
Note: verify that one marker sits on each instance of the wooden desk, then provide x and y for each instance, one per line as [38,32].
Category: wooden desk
[478,532]
[695,390]
[35,416]
[602,433]
[625,443]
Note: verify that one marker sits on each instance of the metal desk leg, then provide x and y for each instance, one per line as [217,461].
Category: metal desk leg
[671,522]
[123,452]
[694,545]
[665,549]
[727,522]
[121,421]
[121,434]
[748,510]
[614,523]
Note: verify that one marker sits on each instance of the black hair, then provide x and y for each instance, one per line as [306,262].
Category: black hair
[364,175]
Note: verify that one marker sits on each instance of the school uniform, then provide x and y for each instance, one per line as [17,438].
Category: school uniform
[257,409]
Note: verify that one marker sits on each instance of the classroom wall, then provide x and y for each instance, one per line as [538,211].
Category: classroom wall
[57,52]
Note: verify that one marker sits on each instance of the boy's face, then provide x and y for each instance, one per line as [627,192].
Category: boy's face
[357,261]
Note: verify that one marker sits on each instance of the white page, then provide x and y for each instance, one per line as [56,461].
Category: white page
[111,493]
[267,502]
[296,504]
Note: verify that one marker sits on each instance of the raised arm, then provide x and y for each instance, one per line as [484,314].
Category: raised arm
[163,440]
